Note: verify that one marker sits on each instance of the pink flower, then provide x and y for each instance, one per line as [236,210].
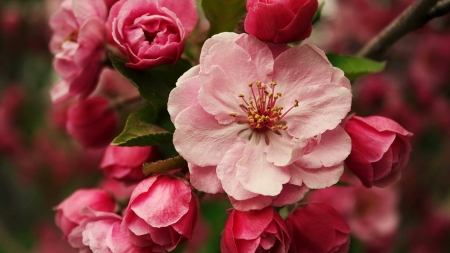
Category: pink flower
[318,228]
[280,21]
[162,213]
[78,44]
[125,163]
[92,122]
[68,214]
[261,122]
[90,234]
[371,214]
[255,231]
[151,32]
[380,150]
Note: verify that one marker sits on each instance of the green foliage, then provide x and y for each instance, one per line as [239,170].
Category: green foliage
[223,14]
[164,165]
[140,130]
[355,67]
[318,13]
[155,84]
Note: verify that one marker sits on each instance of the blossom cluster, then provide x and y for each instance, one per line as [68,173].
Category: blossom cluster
[257,119]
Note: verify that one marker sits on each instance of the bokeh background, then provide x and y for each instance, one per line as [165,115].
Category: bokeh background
[40,164]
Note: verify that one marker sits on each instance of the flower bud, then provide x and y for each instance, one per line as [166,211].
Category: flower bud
[318,228]
[255,231]
[280,21]
[380,150]
[92,122]
[68,214]
[162,213]
[125,163]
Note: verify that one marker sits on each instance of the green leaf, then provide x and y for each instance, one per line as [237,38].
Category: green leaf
[140,130]
[155,84]
[223,14]
[164,165]
[318,13]
[355,67]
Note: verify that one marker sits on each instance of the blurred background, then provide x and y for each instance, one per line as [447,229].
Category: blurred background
[40,164]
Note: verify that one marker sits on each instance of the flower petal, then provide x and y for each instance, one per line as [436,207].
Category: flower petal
[205,179]
[316,178]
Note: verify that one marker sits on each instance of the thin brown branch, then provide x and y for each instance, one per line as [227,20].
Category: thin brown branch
[440,9]
[412,18]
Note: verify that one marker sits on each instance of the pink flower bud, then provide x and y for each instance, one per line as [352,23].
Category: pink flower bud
[68,214]
[318,228]
[161,214]
[125,163]
[280,21]
[255,231]
[151,33]
[380,150]
[92,122]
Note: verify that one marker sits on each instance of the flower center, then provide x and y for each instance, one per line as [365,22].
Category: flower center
[261,109]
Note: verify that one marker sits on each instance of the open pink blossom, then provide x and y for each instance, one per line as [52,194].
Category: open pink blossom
[78,43]
[280,21]
[255,231]
[125,163]
[261,122]
[68,215]
[380,150]
[318,228]
[162,213]
[151,32]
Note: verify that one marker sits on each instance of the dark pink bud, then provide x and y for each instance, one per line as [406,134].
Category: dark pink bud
[280,21]
[318,228]
[380,150]
[68,213]
[255,231]
[125,163]
[92,122]
[162,213]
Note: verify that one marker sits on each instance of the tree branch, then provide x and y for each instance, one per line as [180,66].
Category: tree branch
[412,18]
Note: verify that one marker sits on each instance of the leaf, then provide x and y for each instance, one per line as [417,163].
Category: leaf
[355,67]
[164,165]
[223,14]
[140,130]
[155,84]
[318,13]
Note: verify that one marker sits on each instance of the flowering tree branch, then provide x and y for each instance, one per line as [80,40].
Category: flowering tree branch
[412,18]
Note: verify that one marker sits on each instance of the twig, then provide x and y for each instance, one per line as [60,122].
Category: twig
[412,18]
[441,8]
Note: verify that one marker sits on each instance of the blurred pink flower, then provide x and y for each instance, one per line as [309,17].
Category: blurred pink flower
[48,240]
[268,117]
[78,43]
[92,122]
[151,32]
[255,231]
[317,228]
[162,213]
[380,150]
[90,235]
[372,214]
[280,21]
[125,163]
[68,213]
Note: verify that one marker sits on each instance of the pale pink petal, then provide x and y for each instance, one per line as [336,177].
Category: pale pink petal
[226,172]
[158,210]
[258,175]
[339,78]
[205,179]
[185,94]
[313,68]
[95,233]
[283,149]
[255,203]
[290,194]
[119,242]
[316,178]
[335,145]
[86,9]
[260,53]
[321,107]
[225,36]
[197,132]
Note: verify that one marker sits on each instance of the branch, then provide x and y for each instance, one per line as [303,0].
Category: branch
[412,18]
